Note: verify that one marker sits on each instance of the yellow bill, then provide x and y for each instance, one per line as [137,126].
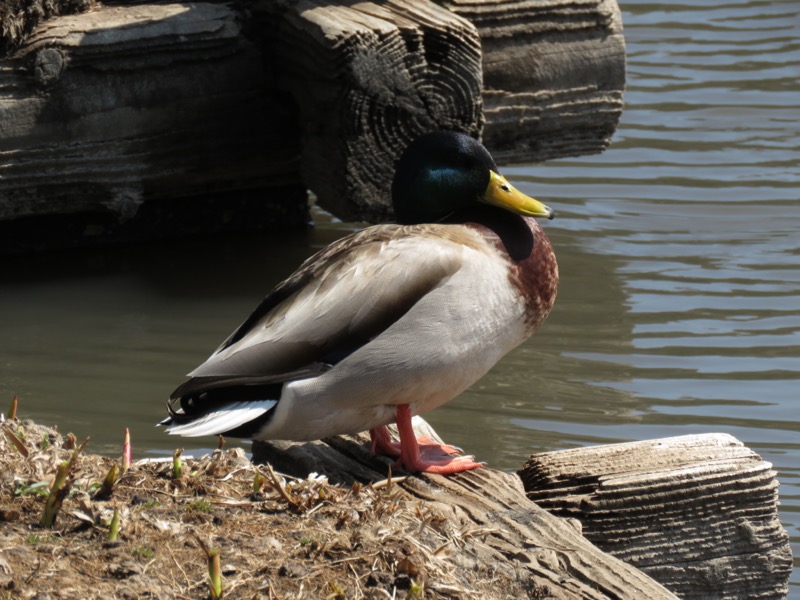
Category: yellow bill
[501,193]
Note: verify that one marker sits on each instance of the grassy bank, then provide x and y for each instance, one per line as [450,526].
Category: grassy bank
[276,537]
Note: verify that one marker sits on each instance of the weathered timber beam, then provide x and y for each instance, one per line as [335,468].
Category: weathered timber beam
[553,75]
[217,107]
[498,530]
[368,78]
[697,513]
[106,110]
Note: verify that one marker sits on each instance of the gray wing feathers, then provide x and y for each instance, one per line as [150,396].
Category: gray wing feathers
[340,298]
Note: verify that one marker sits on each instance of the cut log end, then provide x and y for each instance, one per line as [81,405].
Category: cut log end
[382,75]
[125,104]
[696,513]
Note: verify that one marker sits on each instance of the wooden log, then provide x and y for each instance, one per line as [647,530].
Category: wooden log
[697,513]
[496,529]
[105,111]
[149,120]
[553,75]
[368,78]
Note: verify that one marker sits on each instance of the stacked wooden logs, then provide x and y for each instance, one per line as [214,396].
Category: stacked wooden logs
[139,120]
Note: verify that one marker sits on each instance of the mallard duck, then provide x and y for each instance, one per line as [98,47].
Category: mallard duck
[388,322]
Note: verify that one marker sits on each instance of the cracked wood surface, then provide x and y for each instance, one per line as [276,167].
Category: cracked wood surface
[546,78]
[698,513]
[368,78]
[183,117]
[106,110]
[553,75]
[503,529]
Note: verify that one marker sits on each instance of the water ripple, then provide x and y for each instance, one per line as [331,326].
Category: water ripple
[679,309]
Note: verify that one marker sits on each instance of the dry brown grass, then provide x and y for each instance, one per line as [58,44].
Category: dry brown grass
[293,539]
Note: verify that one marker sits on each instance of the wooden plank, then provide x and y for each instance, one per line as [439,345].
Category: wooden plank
[697,513]
[209,108]
[107,110]
[497,529]
[368,78]
[553,74]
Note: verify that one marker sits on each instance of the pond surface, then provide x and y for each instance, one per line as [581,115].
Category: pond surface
[679,248]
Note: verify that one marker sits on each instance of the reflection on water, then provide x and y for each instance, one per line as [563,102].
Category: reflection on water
[678,312]
[97,342]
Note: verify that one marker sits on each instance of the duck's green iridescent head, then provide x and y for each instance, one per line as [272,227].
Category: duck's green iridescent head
[444,171]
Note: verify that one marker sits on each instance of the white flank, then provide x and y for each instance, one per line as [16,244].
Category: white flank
[226,418]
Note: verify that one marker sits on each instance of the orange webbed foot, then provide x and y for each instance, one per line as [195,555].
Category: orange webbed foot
[421,455]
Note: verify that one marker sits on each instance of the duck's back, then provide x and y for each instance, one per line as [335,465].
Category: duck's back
[445,342]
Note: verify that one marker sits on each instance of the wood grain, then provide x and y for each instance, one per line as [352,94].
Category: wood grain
[368,78]
[139,120]
[697,513]
[499,530]
[553,73]
[109,109]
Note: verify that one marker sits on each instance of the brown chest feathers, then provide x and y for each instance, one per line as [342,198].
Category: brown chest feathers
[533,269]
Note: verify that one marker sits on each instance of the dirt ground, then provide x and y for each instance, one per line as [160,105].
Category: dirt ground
[292,539]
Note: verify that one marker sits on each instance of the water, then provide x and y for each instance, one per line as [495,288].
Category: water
[678,311]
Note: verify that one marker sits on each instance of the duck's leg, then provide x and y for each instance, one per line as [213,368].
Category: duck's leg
[382,443]
[428,457]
